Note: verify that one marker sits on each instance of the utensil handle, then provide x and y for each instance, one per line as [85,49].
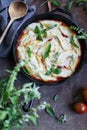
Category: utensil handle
[62,10]
[5,31]
[28,105]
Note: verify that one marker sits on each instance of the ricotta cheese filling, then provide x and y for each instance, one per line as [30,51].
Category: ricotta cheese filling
[51,48]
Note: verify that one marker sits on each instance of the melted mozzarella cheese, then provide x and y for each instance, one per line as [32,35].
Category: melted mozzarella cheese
[62,55]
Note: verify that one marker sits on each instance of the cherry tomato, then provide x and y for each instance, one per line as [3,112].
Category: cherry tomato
[84,94]
[80,107]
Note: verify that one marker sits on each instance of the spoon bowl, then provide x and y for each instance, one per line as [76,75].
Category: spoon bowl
[17,9]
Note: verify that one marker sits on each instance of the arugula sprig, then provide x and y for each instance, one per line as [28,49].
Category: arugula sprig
[11,114]
[80,31]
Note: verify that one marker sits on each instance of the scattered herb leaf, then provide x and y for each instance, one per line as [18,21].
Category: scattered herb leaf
[69,5]
[55,2]
[56,98]
[50,110]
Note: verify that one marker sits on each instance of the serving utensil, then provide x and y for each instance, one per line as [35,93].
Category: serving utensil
[17,9]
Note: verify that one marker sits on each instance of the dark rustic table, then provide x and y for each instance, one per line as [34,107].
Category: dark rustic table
[65,90]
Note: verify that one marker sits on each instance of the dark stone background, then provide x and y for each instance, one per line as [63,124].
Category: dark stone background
[65,90]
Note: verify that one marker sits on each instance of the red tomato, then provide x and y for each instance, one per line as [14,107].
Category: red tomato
[80,107]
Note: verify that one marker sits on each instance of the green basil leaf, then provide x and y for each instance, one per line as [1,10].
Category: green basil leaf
[72,41]
[69,5]
[56,98]
[55,2]
[48,49]
[51,26]
[62,118]
[37,30]
[43,31]
[38,33]
[49,110]
[29,52]
[39,37]
[57,71]
[49,72]
[41,25]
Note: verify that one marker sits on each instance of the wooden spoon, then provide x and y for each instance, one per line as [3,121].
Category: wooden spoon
[16,10]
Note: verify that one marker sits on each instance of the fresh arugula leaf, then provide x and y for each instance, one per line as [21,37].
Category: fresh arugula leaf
[56,98]
[48,49]
[72,41]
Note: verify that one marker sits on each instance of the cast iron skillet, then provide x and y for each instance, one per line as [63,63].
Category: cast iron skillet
[67,18]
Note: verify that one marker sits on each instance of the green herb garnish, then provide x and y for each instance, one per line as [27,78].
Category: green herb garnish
[41,25]
[48,49]
[29,51]
[62,118]
[50,110]
[51,26]
[40,32]
[80,31]
[53,70]
[72,41]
